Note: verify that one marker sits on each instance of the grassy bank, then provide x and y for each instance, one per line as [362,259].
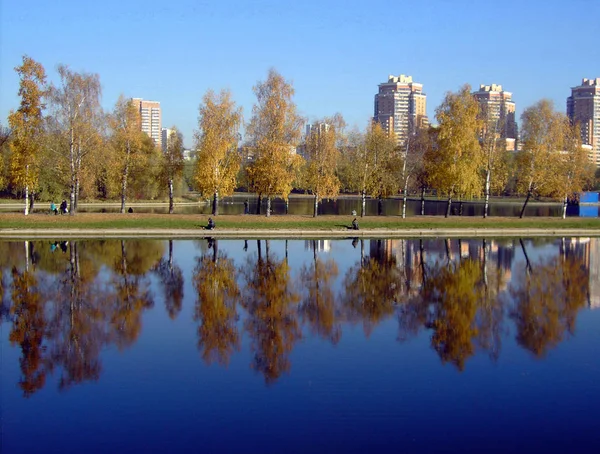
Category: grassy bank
[288,222]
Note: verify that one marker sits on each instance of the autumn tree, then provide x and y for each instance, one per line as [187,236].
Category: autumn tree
[322,155]
[145,171]
[273,133]
[217,138]
[495,156]
[172,162]
[27,127]
[383,179]
[574,170]
[374,164]
[76,115]
[542,136]
[217,297]
[413,154]
[127,141]
[454,165]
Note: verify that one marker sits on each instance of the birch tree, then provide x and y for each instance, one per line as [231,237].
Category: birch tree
[127,141]
[495,162]
[454,165]
[536,163]
[76,114]
[322,155]
[413,155]
[274,133]
[217,137]
[27,126]
[574,170]
[384,178]
[172,162]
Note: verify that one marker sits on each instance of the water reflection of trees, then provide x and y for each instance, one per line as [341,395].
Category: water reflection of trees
[66,304]
[371,286]
[28,329]
[171,279]
[270,300]
[63,312]
[318,307]
[546,302]
[216,285]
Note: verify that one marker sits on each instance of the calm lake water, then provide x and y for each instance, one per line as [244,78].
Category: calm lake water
[345,205]
[300,346]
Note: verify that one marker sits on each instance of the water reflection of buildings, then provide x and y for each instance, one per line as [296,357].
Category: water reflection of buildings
[408,254]
[318,245]
[588,249]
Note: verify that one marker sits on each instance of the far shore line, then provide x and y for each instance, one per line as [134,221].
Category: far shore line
[153,233]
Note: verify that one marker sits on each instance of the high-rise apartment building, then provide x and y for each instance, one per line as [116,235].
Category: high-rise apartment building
[165,137]
[500,109]
[400,107]
[583,108]
[151,119]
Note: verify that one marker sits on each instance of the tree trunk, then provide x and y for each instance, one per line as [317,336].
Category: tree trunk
[423,201]
[26,200]
[72,199]
[460,208]
[379,206]
[77,185]
[564,211]
[269,206]
[422,259]
[485,273]
[287,205]
[449,206]
[525,204]
[31,201]
[363,203]
[72,165]
[215,205]
[215,250]
[123,189]
[258,203]
[487,194]
[171,204]
[125,177]
[404,199]
[527,262]
[316,209]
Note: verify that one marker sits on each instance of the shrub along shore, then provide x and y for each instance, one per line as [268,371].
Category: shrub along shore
[162,225]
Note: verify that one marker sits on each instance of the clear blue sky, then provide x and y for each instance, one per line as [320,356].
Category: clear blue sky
[334,52]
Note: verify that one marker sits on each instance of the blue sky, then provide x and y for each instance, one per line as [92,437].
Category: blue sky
[334,52]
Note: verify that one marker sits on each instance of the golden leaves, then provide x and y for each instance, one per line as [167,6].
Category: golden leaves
[217,138]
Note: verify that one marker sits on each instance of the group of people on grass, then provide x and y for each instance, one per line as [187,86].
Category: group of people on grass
[62,209]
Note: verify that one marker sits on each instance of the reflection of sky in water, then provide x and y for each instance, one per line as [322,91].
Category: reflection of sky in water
[364,394]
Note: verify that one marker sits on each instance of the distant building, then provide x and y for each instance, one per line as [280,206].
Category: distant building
[500,109]
[151,119]
[583,108]
[165,137]
[400,107]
